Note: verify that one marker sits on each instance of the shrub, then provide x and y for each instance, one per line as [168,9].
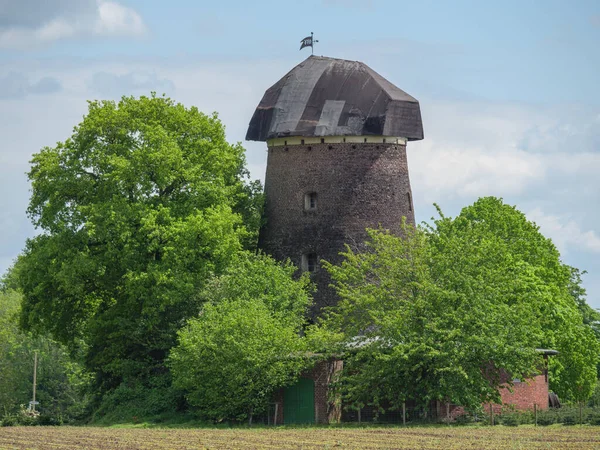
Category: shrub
[464,419]
[594,419]
[569,418]
[9,420]
[134,398]
[546,418]
[50,419]
[511,420]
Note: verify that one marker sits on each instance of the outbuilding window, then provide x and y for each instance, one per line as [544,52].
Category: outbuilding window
[309,262]
[310,201]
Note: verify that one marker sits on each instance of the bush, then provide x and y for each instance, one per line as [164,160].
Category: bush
[22,417]
[466,418]
[49,420]
[511,420]
[135,400]
[569,419]
[9,420]
[594,419]
[546,418]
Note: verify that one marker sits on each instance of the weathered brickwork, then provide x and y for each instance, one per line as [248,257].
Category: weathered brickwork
[357,186]
[527,393]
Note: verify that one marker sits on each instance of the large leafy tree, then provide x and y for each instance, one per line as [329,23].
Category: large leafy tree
[137,209]
[247,340]
[451,311]
[566,321]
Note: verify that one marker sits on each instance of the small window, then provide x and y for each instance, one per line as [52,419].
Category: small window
[309,262]
[330,147]
[409,201]
[284,142]
[365,140]
[302,142]
[322,140]
[344,140]
[310,201]
[384,140]
[309,148]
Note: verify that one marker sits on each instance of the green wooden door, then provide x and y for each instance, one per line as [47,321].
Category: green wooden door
[299,402]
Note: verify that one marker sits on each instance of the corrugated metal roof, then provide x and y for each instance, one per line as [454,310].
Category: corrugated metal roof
[334,97]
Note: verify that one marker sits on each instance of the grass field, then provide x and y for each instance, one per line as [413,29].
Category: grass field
[525,437]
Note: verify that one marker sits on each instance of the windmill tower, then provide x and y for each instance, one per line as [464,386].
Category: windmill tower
[336,133]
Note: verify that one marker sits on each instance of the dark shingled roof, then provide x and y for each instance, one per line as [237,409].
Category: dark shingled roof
[335,97]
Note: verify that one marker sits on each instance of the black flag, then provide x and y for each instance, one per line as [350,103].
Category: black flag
[306,42]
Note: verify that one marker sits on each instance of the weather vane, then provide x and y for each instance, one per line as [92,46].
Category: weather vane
[308,42]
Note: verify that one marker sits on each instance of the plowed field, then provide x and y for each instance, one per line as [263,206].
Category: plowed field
[305,438]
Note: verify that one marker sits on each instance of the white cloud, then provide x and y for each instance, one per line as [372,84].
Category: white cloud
[66,20]
[474,149]
[439,170]
[565,232]
[116,19]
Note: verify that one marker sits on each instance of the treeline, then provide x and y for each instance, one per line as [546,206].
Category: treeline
[146,297]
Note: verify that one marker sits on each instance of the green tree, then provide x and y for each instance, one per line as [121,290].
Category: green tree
[591,316]
[60,381]
[138,208]
[417,330]
[246,342]
[451,311]
[566,320]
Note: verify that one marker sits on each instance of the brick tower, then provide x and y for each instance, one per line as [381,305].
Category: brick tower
[336,133]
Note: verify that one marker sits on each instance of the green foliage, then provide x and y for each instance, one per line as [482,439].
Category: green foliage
[259,277]
[436,314]
[22,417]
[138,209]
[246,342]
[61,383]
[546,418]
[138,400]
[591,317]
[553,290]
[566,415]
[594,400]
[511,419]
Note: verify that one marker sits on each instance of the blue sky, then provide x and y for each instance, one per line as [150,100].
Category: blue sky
[509,90]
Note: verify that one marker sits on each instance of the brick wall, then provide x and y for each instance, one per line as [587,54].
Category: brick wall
[526,393]
[357,186]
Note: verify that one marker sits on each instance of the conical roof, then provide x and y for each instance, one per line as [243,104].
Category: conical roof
[334,97]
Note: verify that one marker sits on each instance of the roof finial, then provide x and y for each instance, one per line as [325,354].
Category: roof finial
[308,42]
